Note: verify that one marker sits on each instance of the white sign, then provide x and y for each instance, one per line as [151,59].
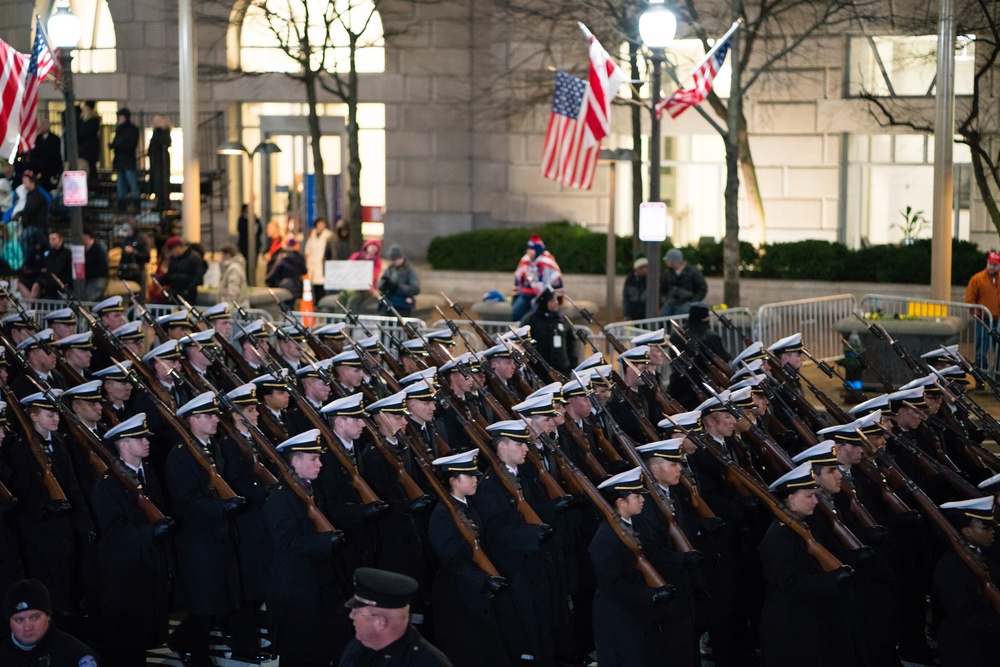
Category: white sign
[74,187]
[341,275]
[653,221]
[78,253]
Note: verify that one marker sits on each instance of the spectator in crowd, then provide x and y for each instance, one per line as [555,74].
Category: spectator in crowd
[316,246]
[536,270]
[634,292]
[340,244]
[6,188]
[983,289]
[45,157]
[288,268]
[233,286]
[399,283]
[95,258]
[370,251]
[553,337]
[58,263]
[135,254]
[29,278]
[88,139]
[158,153]
[34,214]
[185,269]
[124,163]
[681,285]
[242,231]
[34,639]
[275,242]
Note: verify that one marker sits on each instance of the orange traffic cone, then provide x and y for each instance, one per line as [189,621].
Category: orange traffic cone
[306,303]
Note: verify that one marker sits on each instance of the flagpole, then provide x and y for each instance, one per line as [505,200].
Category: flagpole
[711,52]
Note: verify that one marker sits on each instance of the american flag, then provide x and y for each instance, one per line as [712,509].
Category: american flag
[581,117]
[20,77]
[39,66]
[703,75]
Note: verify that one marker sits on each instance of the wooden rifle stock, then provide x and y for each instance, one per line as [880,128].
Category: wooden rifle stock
[737,476]
[595,467]
[479,557]
[860,512]
[57,497]
[609,451]
[411,489]
[549,483]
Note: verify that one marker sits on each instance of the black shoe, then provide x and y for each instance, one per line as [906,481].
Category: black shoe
[256,658]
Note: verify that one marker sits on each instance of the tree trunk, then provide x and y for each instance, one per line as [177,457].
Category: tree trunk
[633,58]
[314,134]
[354,214]
[756,231]
[983,183]
[731,246]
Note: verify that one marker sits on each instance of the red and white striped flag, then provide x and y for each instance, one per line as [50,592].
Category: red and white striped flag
[704,77]
[581,117]
[20,77]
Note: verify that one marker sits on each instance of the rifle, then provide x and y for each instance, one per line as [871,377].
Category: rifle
[145,315]
[834,410]
[480,331]
[947,530]
[649,573]
[830,372]
[418,499]
[593,321]
[719,377]
[771,391]
[934,468]
[479,556]
[865,366]
[726,322]
[58,504]
[220,486]
[683,365]
[878,331]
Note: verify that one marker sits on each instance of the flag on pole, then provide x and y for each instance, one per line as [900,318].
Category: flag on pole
[703,75]
[39,66]
[13,67]
[580,118]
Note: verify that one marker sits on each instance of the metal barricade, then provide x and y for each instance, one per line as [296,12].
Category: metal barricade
[891,306]
[742,318]
[385,328]
[813,318]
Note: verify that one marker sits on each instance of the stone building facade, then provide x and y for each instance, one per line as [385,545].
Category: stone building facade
[443,154]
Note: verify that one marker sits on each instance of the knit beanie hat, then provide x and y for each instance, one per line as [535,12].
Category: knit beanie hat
[535,243]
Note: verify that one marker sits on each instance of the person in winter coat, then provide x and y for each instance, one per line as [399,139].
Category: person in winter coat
[88,139]
[288,268]
[399,283]
[316,248]
[370,251]
[681,284]
[185,270]
[233,281]
[634,292]
[124,163]
[159,161]
[536,270]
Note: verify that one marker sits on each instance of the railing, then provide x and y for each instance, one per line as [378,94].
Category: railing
[813,318]
[742,318]
[386,328]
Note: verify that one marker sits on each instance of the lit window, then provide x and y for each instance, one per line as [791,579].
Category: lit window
[906,66]
[263,33]
[96,52]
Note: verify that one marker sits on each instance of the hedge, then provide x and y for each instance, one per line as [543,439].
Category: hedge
[579,250]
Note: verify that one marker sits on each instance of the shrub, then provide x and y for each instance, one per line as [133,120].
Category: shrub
[579,250]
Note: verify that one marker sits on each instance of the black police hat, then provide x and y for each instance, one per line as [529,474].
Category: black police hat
[379,588]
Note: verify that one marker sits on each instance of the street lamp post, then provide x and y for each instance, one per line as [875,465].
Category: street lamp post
[265,148]
[657,26]
[64,30]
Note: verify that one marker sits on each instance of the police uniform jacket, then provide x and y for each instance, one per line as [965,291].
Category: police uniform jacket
[207,575]
[133,574]
[410,650]
[56,648]
[308,619]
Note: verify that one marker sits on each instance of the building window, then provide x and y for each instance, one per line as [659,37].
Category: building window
[97,50]
[271,23]
[906,66]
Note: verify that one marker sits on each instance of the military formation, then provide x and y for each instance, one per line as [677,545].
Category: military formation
[250,476]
